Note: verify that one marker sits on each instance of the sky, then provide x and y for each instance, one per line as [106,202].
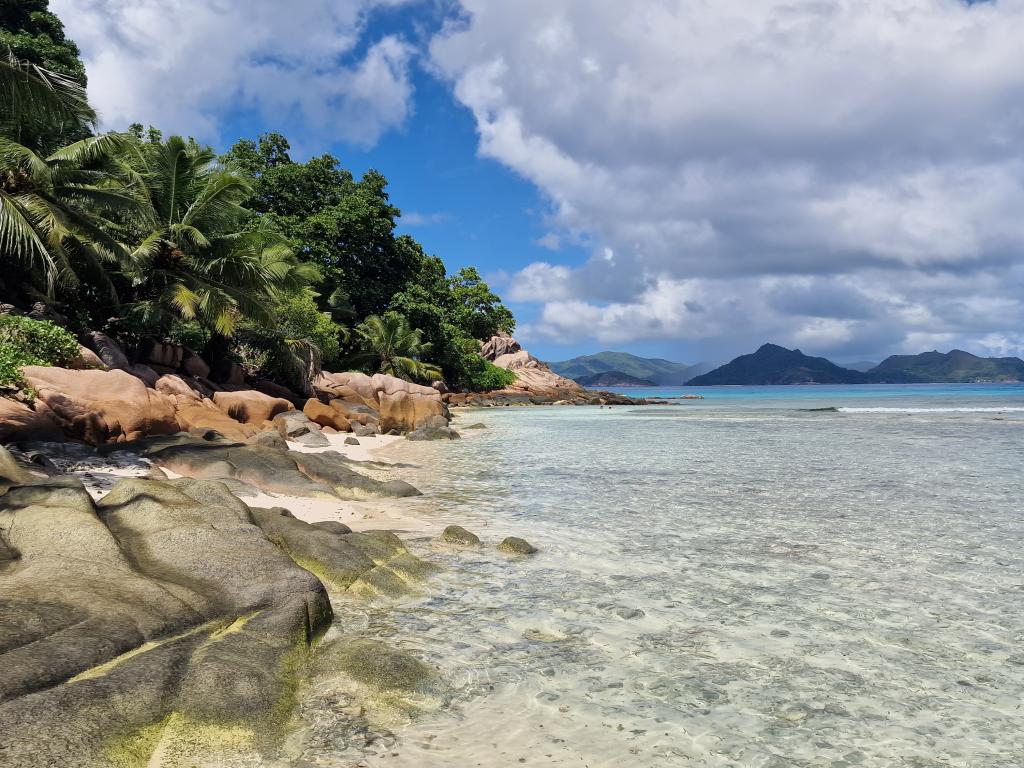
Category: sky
[685,179]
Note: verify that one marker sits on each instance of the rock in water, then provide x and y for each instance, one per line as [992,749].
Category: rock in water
[456,534]
[434,428]
[515,546]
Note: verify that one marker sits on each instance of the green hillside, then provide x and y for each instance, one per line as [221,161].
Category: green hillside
[652,369]
[955,366]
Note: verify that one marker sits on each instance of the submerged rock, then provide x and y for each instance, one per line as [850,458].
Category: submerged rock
[378,666]
[456,534]
[515,546]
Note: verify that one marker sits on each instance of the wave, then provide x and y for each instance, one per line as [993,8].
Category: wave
[986,409]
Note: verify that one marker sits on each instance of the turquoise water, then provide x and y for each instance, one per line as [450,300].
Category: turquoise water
[826,395]
[728,582]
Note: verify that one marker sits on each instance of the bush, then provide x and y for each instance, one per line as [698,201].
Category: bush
[481,375]
[32,342]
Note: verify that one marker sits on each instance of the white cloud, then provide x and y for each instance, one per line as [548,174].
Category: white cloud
[727,151]
[185,65]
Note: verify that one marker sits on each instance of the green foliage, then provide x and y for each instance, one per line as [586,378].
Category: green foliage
[343,226]
[195,258]
[298,317]
[35,34]
[391,345]
[24,341]
[454,314]
[484,376]
[56,114]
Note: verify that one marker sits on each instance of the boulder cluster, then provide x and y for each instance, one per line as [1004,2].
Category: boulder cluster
[535,384]
[107,399]
[169,618]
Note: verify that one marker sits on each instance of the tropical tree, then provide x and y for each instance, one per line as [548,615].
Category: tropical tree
[53,210]
[32,95]
[394,347]
[198,257]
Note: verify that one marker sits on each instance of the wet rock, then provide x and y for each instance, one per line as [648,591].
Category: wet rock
[629,613]
[478,425]
[515,546]
[351,441]
[269,438]
[456,534]
[161,615]
[434,428]
[332,526]
[378,666]
[294,424]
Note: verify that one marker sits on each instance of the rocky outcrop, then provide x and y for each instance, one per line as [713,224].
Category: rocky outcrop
[326,416]
[536,383]
[107,350]
[102,406]
[20,422]
[313,475]
[399,404]
[167,623]
[251,407]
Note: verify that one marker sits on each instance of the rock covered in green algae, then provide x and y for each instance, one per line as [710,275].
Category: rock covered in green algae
[378,666]
[513,545]
[456,534]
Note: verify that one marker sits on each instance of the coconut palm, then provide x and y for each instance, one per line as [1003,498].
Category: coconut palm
[195,257]
[53,209]
[32,95]
[395,347]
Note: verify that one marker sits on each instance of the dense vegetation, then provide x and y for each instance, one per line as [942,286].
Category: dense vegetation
[254,258]
[24,341]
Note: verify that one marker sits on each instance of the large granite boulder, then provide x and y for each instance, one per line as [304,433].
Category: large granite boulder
[251,407]
[400,405]
[326,416]
[532,375]
[19,422]
[107,350]
[167,624]
[102,406]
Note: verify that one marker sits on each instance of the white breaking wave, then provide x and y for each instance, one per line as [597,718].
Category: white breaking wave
[1008,409]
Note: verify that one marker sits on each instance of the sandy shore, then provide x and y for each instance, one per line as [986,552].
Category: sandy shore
[100,474]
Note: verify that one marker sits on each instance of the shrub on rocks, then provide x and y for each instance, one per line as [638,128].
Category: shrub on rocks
[24,341]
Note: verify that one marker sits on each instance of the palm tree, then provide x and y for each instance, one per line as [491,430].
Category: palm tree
[196,259]
[53,209]
[395,347]
[31,95]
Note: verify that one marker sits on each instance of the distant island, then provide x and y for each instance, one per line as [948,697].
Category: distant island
[772,364]
[613,379]
[653,371]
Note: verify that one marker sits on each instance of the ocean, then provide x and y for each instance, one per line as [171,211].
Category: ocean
[742,580]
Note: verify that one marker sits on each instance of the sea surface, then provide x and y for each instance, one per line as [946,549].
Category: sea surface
[742,580]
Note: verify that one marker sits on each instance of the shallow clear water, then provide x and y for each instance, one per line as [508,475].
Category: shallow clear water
[732,582]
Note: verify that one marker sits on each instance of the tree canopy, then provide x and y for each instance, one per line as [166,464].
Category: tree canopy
[279,265]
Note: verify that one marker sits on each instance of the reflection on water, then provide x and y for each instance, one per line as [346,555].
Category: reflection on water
[722,587]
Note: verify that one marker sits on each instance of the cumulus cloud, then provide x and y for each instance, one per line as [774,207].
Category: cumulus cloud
[184,66]
[847,174]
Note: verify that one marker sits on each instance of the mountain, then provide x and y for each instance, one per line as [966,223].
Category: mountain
[955,366]
[613,379]
[772,364]
[654,370]
[861,365]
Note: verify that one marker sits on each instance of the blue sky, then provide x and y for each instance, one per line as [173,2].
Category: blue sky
[675,178]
